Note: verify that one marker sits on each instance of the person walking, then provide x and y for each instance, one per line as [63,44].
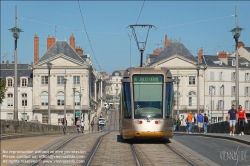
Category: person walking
[200,121]
[205,123]
[82,126]
[178,124]
[232,119]
[78,123]
[64,124]
[174,124]
[189,120]
[92,125]
[241,117]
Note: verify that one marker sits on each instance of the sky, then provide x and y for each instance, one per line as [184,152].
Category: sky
[195,23]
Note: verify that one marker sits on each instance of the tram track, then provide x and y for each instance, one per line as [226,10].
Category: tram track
[155,154]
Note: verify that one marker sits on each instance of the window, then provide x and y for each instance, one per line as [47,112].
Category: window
[116,85]
[233,102]
[233,91]
[117,80]
[220,105]
[77,98]
[211,75]
[148,106]
[211,90]
[60,98]
[175,78]
[233,62]
[247,106]
[44,98]
[10,99]
[24,99]
[25,116]
[247,77]
[176,98]
[10,116]
[214,119]
[221,76]
[126,101]
[76,79]
[222,90]
[24,82]
[191,80]
[10,82]
[192,98]
[247,91]
[44,80]
[60,79]
[220,119]
[233,76]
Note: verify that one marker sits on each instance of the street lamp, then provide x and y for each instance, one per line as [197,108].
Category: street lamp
[177,81]
[198,67]
[49,100]
[211,91]
[65,81]
[74,111]
[16,33]
[236,34]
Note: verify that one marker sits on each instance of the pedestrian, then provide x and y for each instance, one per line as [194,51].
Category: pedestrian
[193,123]
[232,119]
[78,123]
[178,123]
[174,124]
[92,125]
[101,115]
[186,121]
[241,117]
[205,123]
[200,121]
[190,117]
[82,126]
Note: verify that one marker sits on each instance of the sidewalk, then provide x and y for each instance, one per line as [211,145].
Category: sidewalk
[245,139]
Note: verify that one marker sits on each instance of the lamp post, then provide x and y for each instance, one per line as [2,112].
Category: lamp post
[211,91]
[65,81]
[49,100]
[177,81]
[74,111]
[16,33]
[236,34]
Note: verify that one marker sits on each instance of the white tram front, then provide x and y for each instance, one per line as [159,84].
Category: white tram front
[146,103]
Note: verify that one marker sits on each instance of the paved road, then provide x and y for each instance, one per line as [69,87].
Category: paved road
[221,151]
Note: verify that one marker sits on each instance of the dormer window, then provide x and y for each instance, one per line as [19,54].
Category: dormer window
[10,82]
[247,77]
[233,62]
[24,82]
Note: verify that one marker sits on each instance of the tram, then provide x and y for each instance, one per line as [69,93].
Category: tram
[146,103]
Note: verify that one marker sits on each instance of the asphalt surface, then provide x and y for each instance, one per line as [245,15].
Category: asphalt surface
[221,151]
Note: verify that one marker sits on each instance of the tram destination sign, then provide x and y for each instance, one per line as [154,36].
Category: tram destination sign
[147,78]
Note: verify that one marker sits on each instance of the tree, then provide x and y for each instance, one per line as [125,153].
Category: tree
[2,89]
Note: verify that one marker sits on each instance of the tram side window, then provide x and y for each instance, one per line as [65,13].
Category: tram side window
[126,101]
[169,99]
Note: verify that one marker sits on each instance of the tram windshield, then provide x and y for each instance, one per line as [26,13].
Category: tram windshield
[148,96]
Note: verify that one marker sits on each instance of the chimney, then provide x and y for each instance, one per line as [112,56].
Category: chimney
[79,51]
[7,63]
[240,44]
[72,41]
[50,42]
[166,41]
[36,48]
[157,51]
[222,56]
[200,53]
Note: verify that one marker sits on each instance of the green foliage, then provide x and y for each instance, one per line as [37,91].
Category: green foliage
[2,89]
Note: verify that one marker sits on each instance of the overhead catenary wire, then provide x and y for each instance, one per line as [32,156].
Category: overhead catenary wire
[121,33]
[88,36]
[140,12]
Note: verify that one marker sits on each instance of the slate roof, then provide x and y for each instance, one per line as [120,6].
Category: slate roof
[247,48]
[173,48]
[209,61]
[61,47]
[21,72]
[119,73]
[11,66]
